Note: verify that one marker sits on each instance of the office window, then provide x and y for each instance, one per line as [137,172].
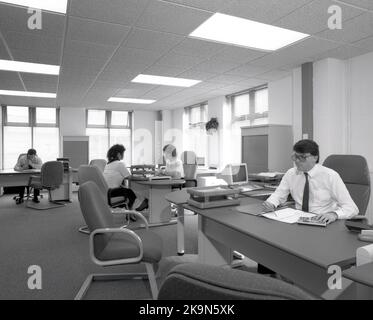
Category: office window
[196,136]
[30,127]
[250,107]
[106,128]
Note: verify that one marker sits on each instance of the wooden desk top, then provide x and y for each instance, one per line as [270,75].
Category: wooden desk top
[178,197]
[362,274]
[171,182]
[321,246]
[13,172]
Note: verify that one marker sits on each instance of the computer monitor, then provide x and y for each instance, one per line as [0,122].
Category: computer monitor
[239,174]
[201,161]
[234,174]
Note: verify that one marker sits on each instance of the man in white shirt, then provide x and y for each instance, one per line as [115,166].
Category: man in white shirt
[26,162]
[174,166]
[314,188]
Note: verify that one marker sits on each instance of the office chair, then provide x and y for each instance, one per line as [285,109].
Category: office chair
[51,178]
[354,172]
[206,282]
[93,173]
[189,160]
[112,246]
[99,163]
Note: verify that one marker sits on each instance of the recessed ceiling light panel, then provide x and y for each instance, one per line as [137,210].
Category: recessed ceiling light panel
[165,81]
[28,94]
[243,32]
[58,6]
[27,67]
[131,100]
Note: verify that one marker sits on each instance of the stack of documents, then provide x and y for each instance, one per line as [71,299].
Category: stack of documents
[287,215]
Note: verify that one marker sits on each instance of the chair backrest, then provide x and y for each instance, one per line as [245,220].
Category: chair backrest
[206,282]
[354,172]
[51,174]
[99,163]
[93,173]
[96,212]
[189,159]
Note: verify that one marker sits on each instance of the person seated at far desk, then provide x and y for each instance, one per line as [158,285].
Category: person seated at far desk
[115,172]
[174,166]
[314,188]
[26,162]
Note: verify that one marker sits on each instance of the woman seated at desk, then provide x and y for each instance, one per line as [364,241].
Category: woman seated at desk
[174,166]
[115,172]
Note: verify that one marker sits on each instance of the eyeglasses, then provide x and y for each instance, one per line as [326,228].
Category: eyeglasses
[300,157]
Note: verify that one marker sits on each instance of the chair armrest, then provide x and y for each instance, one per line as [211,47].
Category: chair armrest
[119,261]
[135,213]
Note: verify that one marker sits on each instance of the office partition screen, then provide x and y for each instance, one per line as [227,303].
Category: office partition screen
[255,153]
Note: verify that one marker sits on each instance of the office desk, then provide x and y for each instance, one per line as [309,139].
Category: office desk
[300,253]
[11,178]
[363,278]
[155,191]
[179,198]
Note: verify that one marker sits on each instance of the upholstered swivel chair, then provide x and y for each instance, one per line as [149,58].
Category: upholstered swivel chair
[99,163]
[51,178]
[93,173]
[205,282]
[354,172]
[112,246]
[189,160]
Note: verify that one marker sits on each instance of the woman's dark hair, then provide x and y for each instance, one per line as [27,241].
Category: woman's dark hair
[307,146]
[112,154]
[170,147]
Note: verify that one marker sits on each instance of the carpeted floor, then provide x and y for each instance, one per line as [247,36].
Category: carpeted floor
[50,240]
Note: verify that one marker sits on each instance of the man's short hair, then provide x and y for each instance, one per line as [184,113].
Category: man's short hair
[31,152]
[307,146]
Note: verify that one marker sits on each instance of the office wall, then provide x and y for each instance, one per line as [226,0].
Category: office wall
[178,127]
[360,110]
[1,139]
[330,113]
[297,104]
[144,136]
[72,122]
[280,101]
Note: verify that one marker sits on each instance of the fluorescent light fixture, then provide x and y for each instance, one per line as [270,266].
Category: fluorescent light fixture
[58,6]
[130,100]
[28,94]
[9,65]
[243,32]
[165,81]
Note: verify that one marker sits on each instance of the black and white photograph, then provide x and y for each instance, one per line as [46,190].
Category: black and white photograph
[185,155]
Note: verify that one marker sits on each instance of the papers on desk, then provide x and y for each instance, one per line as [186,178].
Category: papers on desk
[287,215]
[269,174]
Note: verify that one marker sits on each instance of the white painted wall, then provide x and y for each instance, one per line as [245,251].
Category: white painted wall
[297,104]
[280,101]
[144,133]
[330,111]
[360,111]
[72,121]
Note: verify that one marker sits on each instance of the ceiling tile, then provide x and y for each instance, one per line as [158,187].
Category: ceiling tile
[210,5]
[40,83]
[239,55]
[13,18]
[264,11]
[114,11]
[10,81]
[198,75]
[96,32]
[84,65]
[364,4]
[342,53]
[88,49]
[36,56]
[366,43]
[314,17]
[25,41]
[227,79]
[198,48]
[248,70]
[132,56]
[3,52]
[167,17]
[353,30]
[24,101]
[152,40]
[273,75]
[215,65]
[178,60]
[165,71]
[134,90]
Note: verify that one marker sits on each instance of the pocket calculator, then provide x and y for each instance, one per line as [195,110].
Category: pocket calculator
[311,222]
